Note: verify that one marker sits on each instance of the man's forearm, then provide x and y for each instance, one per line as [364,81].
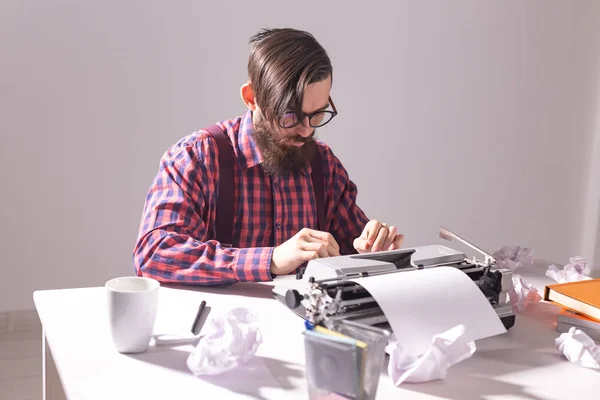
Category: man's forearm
[170,257]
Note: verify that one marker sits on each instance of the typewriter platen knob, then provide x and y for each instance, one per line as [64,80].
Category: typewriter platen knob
[293,298]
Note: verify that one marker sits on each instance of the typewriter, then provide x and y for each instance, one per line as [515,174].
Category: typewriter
[329,290]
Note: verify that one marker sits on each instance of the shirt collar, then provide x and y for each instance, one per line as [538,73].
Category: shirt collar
[250,154]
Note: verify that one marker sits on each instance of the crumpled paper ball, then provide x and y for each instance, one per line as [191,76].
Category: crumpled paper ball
[448,348]
[229,340]
[576,270]
[513,257]
[522,294]
[578,348]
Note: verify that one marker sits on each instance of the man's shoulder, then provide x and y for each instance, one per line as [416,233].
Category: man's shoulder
[332,165]
[199,143]
[327,153]
[228,126]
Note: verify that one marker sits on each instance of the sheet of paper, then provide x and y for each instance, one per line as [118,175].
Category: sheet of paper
[424,303]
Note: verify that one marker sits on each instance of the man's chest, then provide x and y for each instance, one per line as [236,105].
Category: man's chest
[270,210]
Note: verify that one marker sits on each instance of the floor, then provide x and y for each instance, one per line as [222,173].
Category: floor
[20,356]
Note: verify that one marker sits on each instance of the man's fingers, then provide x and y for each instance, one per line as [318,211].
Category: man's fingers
[324,236]
[365,233]
[399,240]
[334,246]
[393,231]
[360,245]
[318,234]
[373,232]
[378,236]
[332,251]
[312,246]
[381,238]
[308,255]
[317,246]
[323,252]
[331,240]
[397,243]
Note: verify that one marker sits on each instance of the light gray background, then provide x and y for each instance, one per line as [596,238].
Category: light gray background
[481,116]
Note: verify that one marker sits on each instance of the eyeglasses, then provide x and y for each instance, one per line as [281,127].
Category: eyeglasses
[315,120]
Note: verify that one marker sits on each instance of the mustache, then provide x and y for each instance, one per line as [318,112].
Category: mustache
[298,139]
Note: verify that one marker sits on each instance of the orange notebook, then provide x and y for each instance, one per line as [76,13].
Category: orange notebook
[581,296]
[568,316]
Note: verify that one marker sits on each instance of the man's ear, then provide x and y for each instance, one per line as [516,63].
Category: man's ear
[248,96]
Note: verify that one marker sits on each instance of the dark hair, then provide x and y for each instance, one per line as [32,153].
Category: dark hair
[282,63]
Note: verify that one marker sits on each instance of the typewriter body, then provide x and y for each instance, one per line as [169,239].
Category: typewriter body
[329,289]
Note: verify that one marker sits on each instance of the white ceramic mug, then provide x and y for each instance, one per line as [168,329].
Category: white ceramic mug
[132,308]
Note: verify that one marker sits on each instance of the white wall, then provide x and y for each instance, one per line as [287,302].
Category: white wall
[476,115]
[590,239]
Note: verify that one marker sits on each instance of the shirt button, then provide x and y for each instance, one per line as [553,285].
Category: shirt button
[278,225]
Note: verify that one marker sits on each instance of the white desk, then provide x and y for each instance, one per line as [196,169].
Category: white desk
[521,364]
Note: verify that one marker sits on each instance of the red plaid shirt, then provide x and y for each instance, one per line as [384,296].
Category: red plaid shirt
[176,236]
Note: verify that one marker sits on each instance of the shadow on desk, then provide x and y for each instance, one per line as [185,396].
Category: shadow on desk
[471,387]
[249,379]
[247,289]
[260,376]
[167,357]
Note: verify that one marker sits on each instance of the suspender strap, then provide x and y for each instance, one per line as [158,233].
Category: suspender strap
[318,182]
[225,210]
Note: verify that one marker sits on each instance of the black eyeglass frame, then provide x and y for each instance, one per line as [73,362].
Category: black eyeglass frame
[301,117]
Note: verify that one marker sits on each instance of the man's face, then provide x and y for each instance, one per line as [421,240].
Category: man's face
[290,150]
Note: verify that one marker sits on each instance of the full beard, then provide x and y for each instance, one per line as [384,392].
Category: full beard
[280,158]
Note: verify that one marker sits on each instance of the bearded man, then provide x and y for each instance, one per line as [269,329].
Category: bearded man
[258,196]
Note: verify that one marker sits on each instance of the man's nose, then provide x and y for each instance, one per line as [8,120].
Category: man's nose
[304,128]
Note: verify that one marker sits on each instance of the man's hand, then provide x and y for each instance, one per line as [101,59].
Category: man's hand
[378,236]
[305,245]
